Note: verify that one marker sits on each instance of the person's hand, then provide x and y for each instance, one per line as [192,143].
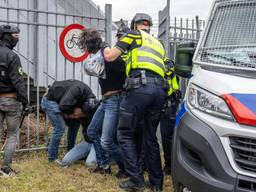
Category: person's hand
[104,45]
[77,113]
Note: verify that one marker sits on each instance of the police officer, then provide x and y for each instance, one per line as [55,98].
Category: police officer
[13,93]
[167,123]
[145,97]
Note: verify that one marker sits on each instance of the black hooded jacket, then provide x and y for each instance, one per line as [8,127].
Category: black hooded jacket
[11,74]
[70,94]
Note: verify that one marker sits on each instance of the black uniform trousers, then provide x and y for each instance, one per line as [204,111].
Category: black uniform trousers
[145,102]
[167,125]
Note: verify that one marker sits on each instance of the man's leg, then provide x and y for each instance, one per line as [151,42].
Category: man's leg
[73,127]
[151,146]
[91,158]
[151,150]
[109,128]
[167,126]
[131,111]
[94,134]
[52,110]
[79,151]
[58,130]
[13,118]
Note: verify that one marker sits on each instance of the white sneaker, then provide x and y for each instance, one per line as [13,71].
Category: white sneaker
[59,163]
[7,172]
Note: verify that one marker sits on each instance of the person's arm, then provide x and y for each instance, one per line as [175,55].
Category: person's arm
[111,54]
[126,43]
[15,73]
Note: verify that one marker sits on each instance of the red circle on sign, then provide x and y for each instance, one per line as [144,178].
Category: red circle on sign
[62,42]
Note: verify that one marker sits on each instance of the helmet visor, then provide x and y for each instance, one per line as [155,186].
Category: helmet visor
[143,22]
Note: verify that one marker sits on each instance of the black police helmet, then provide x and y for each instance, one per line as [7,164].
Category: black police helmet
[141,17]
[8,29]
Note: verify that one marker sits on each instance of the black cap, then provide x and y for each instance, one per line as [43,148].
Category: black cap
[8,29]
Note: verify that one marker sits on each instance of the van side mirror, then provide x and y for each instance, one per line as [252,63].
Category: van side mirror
[183,60]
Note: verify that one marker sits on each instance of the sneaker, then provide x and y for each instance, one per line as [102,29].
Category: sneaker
[128,185]
[57,162]
[7,172]
[121,174]
[100,170]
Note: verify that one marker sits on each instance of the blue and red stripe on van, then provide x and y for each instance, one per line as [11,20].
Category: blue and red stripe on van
[243,107]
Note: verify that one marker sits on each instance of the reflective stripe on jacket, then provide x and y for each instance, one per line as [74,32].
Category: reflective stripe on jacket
[150,55]
[172,81]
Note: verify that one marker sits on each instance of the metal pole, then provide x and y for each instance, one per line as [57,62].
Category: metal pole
[108,22]
[28,75]
[37,72]
[167,44]
[57,41]
[8,12]
[198,28]
[47,68]
[18,18]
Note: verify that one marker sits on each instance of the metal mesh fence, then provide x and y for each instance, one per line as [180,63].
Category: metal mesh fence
[41,23]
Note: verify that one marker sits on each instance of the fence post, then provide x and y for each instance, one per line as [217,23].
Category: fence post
[108,23]
[164,27]
[167,42]
[197,28]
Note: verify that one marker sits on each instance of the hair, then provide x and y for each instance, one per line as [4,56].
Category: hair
[90,40]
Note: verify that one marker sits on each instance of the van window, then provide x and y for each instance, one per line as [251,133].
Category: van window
[231,35]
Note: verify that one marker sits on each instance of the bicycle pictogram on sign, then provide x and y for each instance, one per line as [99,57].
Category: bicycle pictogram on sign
[72,42]
[69,43]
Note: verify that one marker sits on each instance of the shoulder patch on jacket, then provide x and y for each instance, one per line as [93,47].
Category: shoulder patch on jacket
[20,71]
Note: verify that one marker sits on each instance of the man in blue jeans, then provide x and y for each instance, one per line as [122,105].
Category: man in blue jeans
[102,128]
[70,99]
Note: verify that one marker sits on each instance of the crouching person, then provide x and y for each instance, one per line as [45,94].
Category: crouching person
[66,102]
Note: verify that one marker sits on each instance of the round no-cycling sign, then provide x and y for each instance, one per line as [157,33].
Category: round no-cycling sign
[69,43]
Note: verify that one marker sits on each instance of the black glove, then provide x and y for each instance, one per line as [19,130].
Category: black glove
[177,96]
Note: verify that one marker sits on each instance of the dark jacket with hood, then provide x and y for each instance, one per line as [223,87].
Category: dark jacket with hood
[70,94]
[11,73]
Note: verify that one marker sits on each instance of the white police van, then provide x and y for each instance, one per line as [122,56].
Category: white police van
[214,147]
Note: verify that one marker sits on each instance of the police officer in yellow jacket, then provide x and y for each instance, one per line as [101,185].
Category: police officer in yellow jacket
[145,97]
[167,122]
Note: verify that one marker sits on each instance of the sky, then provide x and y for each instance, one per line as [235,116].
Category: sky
[126,9]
